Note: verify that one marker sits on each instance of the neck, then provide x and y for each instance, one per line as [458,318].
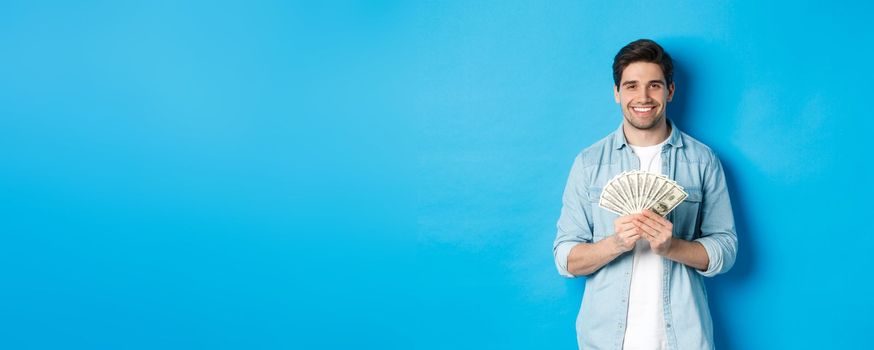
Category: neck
[648,137]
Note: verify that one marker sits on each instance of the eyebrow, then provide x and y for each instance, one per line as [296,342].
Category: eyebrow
[628,82]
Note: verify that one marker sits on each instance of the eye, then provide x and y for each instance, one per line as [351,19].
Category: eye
[630,86]
[656,86]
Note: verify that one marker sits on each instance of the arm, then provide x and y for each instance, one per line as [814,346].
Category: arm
[717,221]
[586,258]
[574,251]
[574,225]
[715,250]
[688,253]
[658,231]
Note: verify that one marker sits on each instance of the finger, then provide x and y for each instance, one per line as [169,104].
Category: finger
[649,237]
[628,226]
[624,227]
[638,228]
[652,236]
[655,217]
[632,238]
[647,223]
[626,233]
[649,215]
[624,219]
[650,228]
[654,223]
[629,235]
[619,227]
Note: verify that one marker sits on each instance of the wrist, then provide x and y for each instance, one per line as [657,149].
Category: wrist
[615,245]
[673,246]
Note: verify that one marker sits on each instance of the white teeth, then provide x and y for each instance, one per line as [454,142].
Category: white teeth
[642,109]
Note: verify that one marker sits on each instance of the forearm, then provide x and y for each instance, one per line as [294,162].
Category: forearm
[586,258]
[688,253]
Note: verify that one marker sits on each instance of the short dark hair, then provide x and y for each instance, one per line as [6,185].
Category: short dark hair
[643,50]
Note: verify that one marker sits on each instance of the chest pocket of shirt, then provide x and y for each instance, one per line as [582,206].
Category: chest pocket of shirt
[602,219]
[687,215]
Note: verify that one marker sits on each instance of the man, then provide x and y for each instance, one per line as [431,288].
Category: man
[644,286]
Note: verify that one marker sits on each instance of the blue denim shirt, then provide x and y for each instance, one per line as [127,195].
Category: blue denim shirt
[705,217]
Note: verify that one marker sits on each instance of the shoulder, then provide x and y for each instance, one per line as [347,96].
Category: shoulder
[695,151]
[597,153]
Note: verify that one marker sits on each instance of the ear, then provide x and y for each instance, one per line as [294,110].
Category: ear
[616,93]
[671,92]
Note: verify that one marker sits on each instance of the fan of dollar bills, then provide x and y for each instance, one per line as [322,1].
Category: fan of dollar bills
[633,191]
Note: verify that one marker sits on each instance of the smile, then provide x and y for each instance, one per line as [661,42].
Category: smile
[642,109]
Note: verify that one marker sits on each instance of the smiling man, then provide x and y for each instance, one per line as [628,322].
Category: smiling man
[644,273]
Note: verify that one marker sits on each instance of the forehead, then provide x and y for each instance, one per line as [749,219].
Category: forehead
[643,71]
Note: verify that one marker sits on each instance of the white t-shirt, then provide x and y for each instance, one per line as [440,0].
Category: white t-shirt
[645,326]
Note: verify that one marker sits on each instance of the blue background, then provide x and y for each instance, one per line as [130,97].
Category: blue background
[387,175]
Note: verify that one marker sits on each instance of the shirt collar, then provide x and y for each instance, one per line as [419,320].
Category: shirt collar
[674,139]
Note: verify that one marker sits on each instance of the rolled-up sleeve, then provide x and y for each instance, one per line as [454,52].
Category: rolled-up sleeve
[718,234]
[574,223]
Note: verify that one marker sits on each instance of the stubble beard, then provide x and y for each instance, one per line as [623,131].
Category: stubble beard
[641,125]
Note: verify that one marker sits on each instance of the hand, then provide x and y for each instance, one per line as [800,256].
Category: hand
[655,229]
[626,233]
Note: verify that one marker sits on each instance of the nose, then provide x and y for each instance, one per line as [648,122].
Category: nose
[648,93]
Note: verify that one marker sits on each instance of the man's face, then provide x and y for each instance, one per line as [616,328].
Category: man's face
[643,95]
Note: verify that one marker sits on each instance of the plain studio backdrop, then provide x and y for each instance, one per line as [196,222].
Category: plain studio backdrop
[388,174]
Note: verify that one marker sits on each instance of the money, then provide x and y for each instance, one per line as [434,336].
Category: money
[632,192]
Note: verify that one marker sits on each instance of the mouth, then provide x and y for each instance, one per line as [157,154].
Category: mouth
[644,110]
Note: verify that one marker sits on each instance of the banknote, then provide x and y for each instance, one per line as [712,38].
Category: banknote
[633,192]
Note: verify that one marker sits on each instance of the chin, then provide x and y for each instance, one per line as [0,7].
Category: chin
[644,125]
